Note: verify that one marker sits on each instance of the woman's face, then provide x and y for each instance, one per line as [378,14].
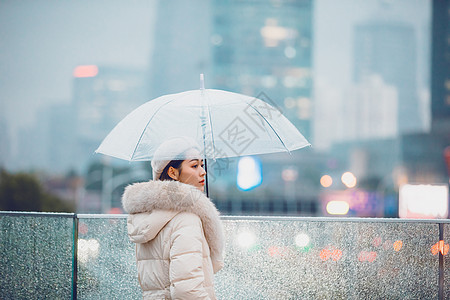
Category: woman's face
[192,173]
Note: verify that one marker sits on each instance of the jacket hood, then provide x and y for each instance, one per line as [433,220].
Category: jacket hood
[144,227]
[165,199]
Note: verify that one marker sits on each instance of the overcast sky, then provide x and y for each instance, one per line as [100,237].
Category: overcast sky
[42,41]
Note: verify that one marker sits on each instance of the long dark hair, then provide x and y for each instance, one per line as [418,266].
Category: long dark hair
[173,163]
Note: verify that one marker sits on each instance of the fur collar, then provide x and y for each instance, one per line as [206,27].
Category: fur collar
[179,197]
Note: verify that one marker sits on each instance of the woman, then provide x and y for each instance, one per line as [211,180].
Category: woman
[176,228]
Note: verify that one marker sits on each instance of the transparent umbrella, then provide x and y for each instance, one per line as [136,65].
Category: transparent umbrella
[225,124]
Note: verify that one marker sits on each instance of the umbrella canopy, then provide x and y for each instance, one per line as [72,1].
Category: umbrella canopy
[225,124]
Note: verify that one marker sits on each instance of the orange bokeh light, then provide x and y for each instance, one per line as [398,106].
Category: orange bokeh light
[85,71]
[326,181]
[115,210]
[398,245]
[440,247]
[333,253]
[325,254]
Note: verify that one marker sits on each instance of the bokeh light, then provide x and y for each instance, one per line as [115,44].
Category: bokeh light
[330,253]
[325,254]
[290,52]
[326,181]
[246,239]
[412,204]
[249,175]
[440,247]
[336,207]
[398,245]
[349,179]
[302,240]
[289,174]
[87,249]
[85,71]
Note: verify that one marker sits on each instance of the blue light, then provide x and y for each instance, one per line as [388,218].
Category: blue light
[249,173]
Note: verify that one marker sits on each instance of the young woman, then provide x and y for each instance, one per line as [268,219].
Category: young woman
[176,228]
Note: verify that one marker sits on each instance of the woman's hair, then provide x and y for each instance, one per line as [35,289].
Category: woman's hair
[175,164]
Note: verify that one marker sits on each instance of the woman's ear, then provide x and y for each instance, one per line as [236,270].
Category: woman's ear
[173,173]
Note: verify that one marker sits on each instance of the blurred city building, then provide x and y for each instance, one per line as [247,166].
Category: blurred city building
[289,184]
[369,111]
[424,154]
[388,49]
[181,47]
[101,98]
[65,136]
[269,55]
[380,136]
[440,64]
[104,182]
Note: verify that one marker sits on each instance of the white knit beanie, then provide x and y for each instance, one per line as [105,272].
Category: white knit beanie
[173,149]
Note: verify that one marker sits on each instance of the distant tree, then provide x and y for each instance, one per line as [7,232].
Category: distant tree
[24,192]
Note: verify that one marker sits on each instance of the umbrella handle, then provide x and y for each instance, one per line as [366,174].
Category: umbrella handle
[202,81]
[206,179]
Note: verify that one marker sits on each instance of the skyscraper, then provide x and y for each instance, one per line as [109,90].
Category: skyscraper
[424,154]
[258,48]
[440,76]
[181,48]
[388,49]
[369,111]
[264,48]
[102,96]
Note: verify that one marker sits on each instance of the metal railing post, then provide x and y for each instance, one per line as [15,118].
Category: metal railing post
[75,257]
[441,264]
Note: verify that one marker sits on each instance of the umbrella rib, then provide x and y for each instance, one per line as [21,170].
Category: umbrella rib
[212,133]
[143,131]
[269,126]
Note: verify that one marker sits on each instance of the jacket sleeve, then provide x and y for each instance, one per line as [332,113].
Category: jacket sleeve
[186,259]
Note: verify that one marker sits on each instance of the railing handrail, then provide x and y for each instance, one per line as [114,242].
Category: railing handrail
[334,219]
[37,214]
[237,218]
[291,218]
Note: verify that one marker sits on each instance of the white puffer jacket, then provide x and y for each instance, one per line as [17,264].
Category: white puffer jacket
[179,239]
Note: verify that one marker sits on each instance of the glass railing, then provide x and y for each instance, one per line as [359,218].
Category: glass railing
[37,255]
[62,256]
